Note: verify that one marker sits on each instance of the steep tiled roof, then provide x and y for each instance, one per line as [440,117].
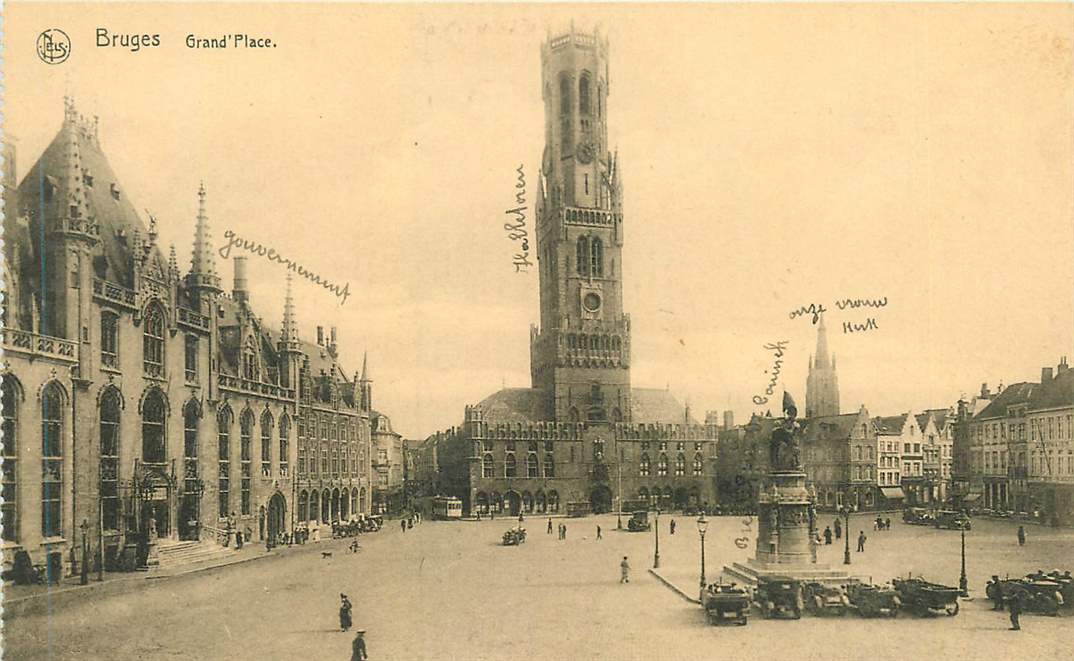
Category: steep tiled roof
[656,405]
[1017,393]
[939,416]
[1055,393]
[890,424]
[829,426]
[515,405]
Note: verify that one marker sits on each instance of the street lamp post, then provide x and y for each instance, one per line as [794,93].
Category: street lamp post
[963,521]
[845,510]
[619,522]
[84,579]
[702,526]
[656,554]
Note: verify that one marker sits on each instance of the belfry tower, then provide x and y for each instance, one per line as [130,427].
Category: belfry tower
[822,384]
[580,353]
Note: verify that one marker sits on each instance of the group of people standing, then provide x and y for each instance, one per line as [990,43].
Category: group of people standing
[562,529]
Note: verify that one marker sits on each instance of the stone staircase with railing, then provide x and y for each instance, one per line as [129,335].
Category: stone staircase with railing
[172,554]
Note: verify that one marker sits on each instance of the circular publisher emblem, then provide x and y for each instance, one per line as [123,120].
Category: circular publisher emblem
[53,46]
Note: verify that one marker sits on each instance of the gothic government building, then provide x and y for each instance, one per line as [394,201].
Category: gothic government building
[581,436]
[140,402]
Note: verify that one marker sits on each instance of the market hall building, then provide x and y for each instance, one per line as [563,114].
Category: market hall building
[581,436]
[141,403]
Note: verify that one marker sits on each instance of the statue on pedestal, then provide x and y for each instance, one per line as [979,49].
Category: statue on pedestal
[784,450]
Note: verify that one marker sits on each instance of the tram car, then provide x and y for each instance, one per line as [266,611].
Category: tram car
[446,508]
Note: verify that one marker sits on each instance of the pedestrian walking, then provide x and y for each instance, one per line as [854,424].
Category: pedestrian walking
[402,524]
[564,531]
[598,533]
[877,523]
[1014,605]
[1021,535]
[861,540]
[358,652]
[996,591]
[239,540]
[344,612]
[887,524]
[672,526]
[827,535]
[624,571]
[549,525]
[838,528]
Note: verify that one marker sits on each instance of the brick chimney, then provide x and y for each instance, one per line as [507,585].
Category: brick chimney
[1045,375]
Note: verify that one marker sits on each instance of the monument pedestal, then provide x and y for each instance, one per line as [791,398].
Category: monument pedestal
[786,535]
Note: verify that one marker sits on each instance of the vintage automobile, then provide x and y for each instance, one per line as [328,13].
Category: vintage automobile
[918,516]
[725,603]
[639,522]
[926,598]
[778,596]
[514,537]
[951,520]
[1066,585]
[873,600]
[821,599]
[1037,596]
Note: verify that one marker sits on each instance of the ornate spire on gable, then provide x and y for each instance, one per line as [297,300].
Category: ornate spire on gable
[289,330]
[173,264]
[203,274]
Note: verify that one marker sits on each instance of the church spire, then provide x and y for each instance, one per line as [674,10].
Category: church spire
[202,265]
[821,361]
[365,385]
[290,333]
[822,384]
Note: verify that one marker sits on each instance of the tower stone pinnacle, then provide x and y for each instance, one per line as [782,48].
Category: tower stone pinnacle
[203,274]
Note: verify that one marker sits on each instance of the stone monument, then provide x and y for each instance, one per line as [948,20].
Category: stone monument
[786,516]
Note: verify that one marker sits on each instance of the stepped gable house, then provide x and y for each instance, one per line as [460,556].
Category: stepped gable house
[141,401]
[581,436]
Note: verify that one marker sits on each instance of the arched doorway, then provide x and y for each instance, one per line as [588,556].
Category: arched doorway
[482,502]
[315,506]
[513,501]
[680,498]
[496,502]
[326,506]
[600,500]
[553,501]
[335,504]
[527,502]
[277,516]
[542,502]
[344,504]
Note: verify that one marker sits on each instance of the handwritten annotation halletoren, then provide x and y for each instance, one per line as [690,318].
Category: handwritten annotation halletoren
[270,253]
[516,231]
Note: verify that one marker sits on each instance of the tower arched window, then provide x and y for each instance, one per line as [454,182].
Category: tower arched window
[549,464]
[266,444]
[662,465]
[565,127]
[644,466]
[223,460]
[583,252]
[532,468]
[153,451]
[109,463]
[153,340]
[51,461]
[680,465]
[596,258]
[699,465]
[486,465]
[10,454]
[285,443]
[510,467]
[583,94]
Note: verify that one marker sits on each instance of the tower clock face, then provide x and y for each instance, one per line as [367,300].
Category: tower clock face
[586,151]
[591,301]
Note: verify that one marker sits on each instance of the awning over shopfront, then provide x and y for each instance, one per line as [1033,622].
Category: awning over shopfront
[893,493]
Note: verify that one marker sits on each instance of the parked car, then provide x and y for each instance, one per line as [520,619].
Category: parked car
[639,522]
[873,600]
[514,537]
[726,603]
[926,598]
[778,596]
[822,599]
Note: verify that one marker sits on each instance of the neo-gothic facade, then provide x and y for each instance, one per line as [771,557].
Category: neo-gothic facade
[138,400]
[581,435]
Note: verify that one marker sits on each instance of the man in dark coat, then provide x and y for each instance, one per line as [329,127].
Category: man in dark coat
[838,527]
[827,535]
[358,652]
[1014,605]
[344,612]
[549,525]
[1021,535]
[861,540]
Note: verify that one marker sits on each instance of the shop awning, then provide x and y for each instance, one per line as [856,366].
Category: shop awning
[892,493]
[970,497]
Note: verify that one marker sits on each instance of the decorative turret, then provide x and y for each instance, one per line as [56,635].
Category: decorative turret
[173,264]
[202,276]
[365,386]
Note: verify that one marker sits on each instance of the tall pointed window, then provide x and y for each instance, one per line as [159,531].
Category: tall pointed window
[699,465]
[153,441]
[510,466]
[596,258]
[153,340]
[680,465]
[583,254]
[532,467]
[109,463]
[51,461]
[662,465]
[486,465]
[266,444]
[565,113]
[285,433]
[190,448]
[190,359]
[250,366]
[109,339]
[10,453]
[223,461]
[549,464]
[246,430]
[644,466]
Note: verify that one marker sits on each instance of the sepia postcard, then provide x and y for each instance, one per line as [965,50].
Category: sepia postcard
[550,331]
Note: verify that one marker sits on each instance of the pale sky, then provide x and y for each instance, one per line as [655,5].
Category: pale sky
[772,157]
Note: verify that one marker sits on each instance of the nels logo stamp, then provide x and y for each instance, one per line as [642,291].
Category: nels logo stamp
[53,46]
